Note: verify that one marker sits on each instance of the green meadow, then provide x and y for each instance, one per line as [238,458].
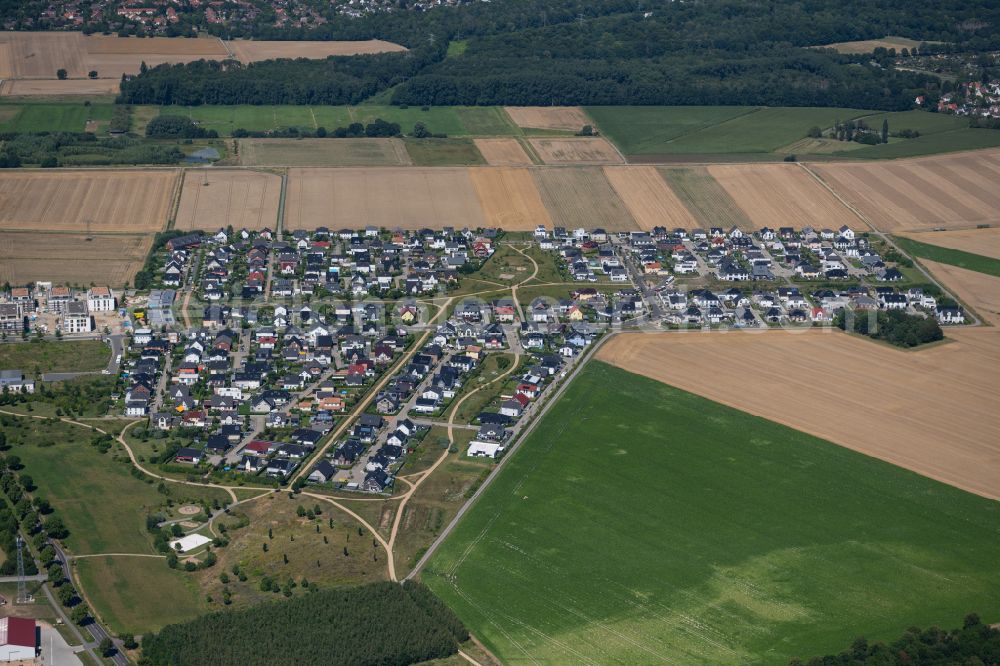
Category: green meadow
[642,524]
[945,255]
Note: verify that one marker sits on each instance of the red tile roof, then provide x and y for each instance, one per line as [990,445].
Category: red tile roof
[17,631]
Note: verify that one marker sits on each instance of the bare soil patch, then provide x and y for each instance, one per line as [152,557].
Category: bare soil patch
[213,199]
[112,200]
[549,117]
[391,197]
[576,150]
[782,195]
[931,411]
[509,198]
[503,152]
[977,241]
[67,258]
[323,152]
[582,197]
[952,192]
[648,197]
[252,51]
[189,510]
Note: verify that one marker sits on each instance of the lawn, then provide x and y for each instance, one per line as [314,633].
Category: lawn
[643,524]
[443,152]
[51,117]
[64,356]
[711,129]
[138,595]
[967,260]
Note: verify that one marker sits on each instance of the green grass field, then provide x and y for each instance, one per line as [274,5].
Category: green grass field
[443,152]
[930,144]
[945,255]
[51,117]
[710,129]
[138,595]
[66,356]
[643,524]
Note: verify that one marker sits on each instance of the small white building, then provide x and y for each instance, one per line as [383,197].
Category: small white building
[188,543]
[484,449]
[101,299]
[15,382]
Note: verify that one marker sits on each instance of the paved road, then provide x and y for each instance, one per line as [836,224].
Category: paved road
[14,579]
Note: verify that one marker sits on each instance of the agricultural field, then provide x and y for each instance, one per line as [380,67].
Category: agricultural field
[785,193]
[63,356]
[648,197]
[582,197]
[576,150]
[509,198]
[67,258]
[51,117]
[254,50]
[503,152]
[393,197]
[952,141]
[55,87]
[978,290]
[322,152]
[443,152]
[212,199]
[568,118]
[982,242]
[706,200]
[669,131]
[755,543]
[967,260]
[138,595]
[37,55]
[869,45]
[954,191]
[949,385]
[80,201]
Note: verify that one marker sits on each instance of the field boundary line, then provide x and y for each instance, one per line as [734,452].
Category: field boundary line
[175,199]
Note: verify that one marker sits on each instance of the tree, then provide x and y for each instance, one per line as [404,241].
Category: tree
[66,594]
[79,614]
[129,642]
[586,130]
[814,132]
[61,74]
[107,648]
[420,131]
[92,73]
[885,130]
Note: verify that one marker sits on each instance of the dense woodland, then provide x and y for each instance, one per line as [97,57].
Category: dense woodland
[378,624]
[893,326]
[975,643]
[612,52]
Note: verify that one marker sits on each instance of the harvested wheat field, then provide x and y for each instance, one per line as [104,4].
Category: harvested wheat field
[977,241]
[391,197]
[37,55]
[549,117]
[582,197]
[509,198]
[206,47]
[67,258]
[112,200]
[648,197]
[503,152]
[39,87]
[954,192]
[782,195]
[931,411]
[252,51]
[213,199]
[979,291]
[323,152]
[576,150]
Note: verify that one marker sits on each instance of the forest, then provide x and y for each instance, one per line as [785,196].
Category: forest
[893,326]
[543,52]
[377,624]
[974,643]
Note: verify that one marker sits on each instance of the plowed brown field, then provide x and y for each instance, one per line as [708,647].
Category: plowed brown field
[213,199]
[252,51]
[782,195]
[503,152]
[509,198]
[648,197]
[931,411]
[576,150]
[582,197]
[954,192]
[124,200]
[67,258]
[549,117]
[392,197]
[977,241]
